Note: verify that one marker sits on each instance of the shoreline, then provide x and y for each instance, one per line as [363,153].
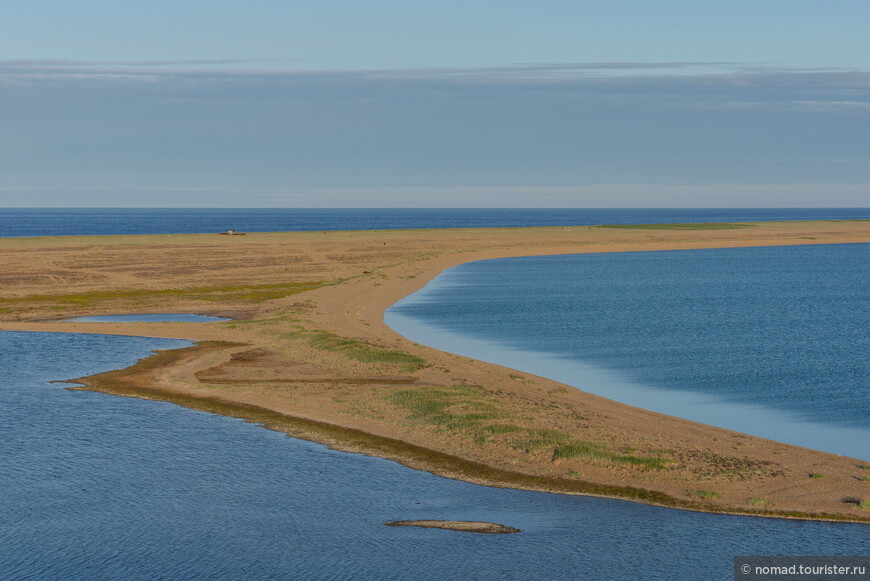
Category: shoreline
[358,311]
[133,382]
[764,420]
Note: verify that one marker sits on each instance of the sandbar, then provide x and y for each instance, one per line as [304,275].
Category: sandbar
[464,526]
[307,353]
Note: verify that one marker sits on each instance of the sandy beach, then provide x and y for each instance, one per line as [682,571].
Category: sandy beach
[307,353]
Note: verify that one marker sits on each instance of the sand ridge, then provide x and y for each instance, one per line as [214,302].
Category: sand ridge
[309,354]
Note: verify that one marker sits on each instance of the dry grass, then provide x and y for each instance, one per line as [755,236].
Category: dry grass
[109,299]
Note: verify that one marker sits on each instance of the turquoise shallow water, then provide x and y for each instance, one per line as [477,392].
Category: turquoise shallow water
[100,487]
[770,341]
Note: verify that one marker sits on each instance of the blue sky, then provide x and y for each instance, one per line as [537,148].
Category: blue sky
[631,103]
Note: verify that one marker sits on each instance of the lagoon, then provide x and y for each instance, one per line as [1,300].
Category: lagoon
[770,341]
[104,487]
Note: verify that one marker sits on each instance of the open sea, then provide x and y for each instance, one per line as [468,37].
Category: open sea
[82,221]
[101,487]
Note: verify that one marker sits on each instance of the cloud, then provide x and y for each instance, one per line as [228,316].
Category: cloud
[277,68]
[705,85]
[84,65]
[534,124]
[692,85]
[589,196]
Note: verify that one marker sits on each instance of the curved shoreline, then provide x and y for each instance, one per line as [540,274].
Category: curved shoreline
[765,420]
[134,382]
[356,309]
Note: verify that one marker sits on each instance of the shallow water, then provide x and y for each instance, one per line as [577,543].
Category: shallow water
[149,318]
[769,341]
[103,487]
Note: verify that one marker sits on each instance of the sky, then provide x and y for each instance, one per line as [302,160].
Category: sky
[451,104]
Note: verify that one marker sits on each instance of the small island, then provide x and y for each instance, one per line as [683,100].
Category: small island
[457,525]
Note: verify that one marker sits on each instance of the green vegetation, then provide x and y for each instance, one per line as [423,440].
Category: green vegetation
[235,294]
[817,475]
[705,494]
[536,438]
[864,505]
[592,451]
[484,433]
[357,349]
[456,408]
[864,466]
[462,409]
[700,226]
[516,377]
[759,500]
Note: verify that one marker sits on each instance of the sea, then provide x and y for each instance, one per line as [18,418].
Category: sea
[104,487]
[95,221]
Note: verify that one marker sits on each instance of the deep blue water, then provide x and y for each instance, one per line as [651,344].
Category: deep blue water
[79,221]
[99,487]
[770,341]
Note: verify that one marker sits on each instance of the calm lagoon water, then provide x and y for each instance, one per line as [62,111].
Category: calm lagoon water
[769,341]
[101,487]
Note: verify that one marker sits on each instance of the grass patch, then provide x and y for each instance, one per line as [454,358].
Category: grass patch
[516,377]
[699,226]
[483,434]
[234,293]
[458,408]
[817,475]
[502,429]
[864,466]
[592,451]
[864,505]
[536,438]
[758,500]
[704,494]
[359,350]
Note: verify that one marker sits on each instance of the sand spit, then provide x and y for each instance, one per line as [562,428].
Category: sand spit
[308,353]
[457,525]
